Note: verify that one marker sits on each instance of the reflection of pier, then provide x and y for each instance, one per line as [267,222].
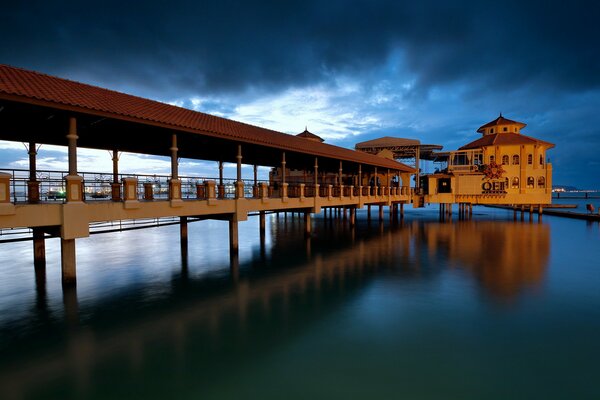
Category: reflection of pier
[217,314]
[206,318]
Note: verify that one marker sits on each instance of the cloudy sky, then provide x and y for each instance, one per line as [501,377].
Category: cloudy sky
[349,70]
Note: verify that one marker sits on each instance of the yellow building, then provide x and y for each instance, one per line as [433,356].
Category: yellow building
[502,167]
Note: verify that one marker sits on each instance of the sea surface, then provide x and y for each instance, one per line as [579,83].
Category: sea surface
[420,309]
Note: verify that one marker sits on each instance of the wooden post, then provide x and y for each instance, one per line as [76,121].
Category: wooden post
[221,187]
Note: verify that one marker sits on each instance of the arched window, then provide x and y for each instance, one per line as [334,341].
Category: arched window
[492,130]
[541,159]
[515,182]
[541,182]
[492,159]
[516,159]
[530,182]
[529,159]
[505,160]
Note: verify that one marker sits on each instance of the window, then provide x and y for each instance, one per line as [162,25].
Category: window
[541,159]
[530,182]
[529,159]
[492,159]
[515,182]
[492,130]
[504,160]
[541,182]
[505,129]
[515,128]
[515,159]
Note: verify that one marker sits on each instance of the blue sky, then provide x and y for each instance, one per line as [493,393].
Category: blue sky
[349,70]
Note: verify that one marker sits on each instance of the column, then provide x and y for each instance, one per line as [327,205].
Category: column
[283,184]
[380,212]
[74,182]
[239,184]
[115,185]
[255,192]
[174,182]
[221,187]
[33,186]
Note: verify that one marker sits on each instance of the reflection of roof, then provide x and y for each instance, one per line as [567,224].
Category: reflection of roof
[504,138]
[500,121]
[401,147]
[28,87]
[310,136]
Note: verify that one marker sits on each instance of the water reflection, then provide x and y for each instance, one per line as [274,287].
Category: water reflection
[191,339]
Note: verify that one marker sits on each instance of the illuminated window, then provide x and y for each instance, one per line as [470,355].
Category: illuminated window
[515,159]
[515,182]
[504,160]
[541,182]
[529,159]
[530,182]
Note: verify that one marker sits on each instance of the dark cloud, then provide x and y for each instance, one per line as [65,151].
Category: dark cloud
[231,46]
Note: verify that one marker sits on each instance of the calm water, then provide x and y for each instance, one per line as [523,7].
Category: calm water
[485,309]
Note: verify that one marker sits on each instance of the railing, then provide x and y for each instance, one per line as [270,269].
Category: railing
[99,186]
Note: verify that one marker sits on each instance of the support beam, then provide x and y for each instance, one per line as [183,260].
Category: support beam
[262,223]
[39,248]
[233,236]
[183,234]
[68,262]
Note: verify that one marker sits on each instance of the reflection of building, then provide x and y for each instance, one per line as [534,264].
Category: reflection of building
[505,257]
[502,167]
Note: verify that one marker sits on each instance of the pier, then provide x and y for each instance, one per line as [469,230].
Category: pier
[37,109]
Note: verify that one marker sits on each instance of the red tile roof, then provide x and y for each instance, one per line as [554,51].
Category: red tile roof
[310,136]
[504,138]
[32,87]
[500,121]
